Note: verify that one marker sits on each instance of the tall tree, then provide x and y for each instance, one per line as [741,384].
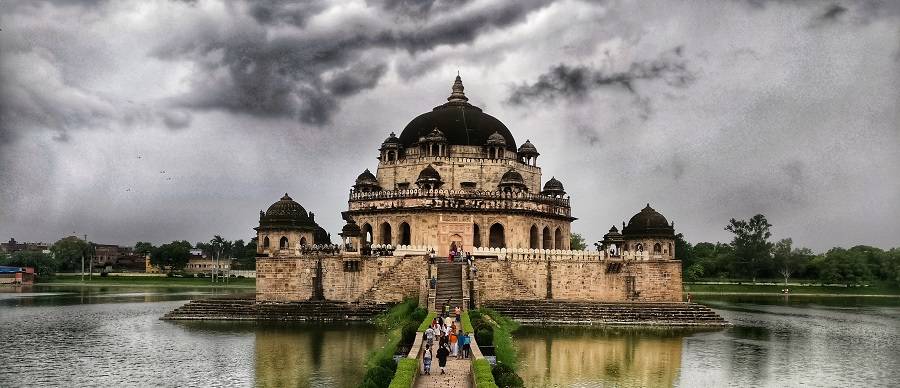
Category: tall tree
[68,252]
[752,249]
[174,255]
[576,242]
[143,248]
[789,261]
[684,251]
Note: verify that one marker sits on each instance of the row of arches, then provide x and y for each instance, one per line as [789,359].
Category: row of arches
[385,235]
[550,240]
[283,242]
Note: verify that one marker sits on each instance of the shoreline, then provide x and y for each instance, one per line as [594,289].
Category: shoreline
[791,294]
[139,284]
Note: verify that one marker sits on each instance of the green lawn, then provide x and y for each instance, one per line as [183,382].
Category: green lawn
[872,289]
[151,281]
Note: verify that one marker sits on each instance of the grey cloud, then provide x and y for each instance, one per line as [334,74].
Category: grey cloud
[833,12]
[176,119]
[576,82]
[290,76]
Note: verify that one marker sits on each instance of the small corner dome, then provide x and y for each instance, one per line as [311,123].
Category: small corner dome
[496,139]
[350,229]
[391,140]
[649,222]
[554,185]
[436,135]
[528,149]
[366,178]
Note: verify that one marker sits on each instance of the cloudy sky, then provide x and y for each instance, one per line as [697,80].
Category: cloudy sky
[163,120]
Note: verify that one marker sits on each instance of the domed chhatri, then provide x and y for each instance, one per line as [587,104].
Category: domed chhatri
[286,225]
[366,182]
[461,123]
[553,188]
[496,139]
[429,179]
[512,181]
[649,222]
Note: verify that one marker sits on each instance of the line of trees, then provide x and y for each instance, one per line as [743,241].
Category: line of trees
[751,255]
[176,254]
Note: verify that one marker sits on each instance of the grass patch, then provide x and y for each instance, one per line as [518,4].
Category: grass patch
[875,288]
[504,347]
[426,323]
[482,374]
[467,323]
[494,329]
[406,372]
[147,281]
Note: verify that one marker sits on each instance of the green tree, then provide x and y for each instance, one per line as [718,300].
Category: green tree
[173,255]
[790,261]
[143,248]
[843,266]
[684,251]
[44,264]
[69,252]
[694,272]
[752,249]
[576,242]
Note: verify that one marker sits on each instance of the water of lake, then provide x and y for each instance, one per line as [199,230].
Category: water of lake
[112,337]
[775,342]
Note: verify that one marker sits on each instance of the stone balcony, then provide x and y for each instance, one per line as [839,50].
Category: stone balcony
[459,199]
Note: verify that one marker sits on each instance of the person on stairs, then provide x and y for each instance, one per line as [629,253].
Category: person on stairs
[442,355]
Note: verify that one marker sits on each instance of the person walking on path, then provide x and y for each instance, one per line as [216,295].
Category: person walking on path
[442,355]
[466,347]
[429,336]
[426,359]
[454,343]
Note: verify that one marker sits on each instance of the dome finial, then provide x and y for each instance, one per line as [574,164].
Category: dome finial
[458,95]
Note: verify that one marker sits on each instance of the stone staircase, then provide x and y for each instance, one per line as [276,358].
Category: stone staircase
[449,285]
[595,313]
[395,283]
[246,309]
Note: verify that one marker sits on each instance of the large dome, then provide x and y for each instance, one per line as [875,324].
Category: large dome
[648,223]
[461,122]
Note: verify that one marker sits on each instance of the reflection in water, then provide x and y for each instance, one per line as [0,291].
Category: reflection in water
[317,356]
[775,342]
[584,356]
[115,339]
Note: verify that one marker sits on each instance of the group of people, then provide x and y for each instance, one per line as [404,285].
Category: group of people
[452,341]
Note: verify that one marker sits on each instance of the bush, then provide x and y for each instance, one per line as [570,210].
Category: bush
[483,376]
[380,376]
[408,333]
[200,275]
[170,274]
[406,373]
[484,336]
[504,376]
[467,323]
[387,363]
[426,322]
[104,274]
[368,384]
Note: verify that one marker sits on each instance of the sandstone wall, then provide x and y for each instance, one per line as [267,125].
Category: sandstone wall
[578,280]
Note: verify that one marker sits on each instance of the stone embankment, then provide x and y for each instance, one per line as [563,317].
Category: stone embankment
[592,313]
[246,309]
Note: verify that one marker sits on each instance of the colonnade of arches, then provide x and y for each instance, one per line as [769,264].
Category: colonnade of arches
[545,239]
[283,242]
[386,235]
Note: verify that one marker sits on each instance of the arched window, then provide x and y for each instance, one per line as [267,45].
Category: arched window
[476,236]
[639,247]
[367,233]
[266,242]
[657,248]
[548,240]
[533,239]
[283,243]
[405,234]
[496,238]
[302,241]
[385,233]
[559,239]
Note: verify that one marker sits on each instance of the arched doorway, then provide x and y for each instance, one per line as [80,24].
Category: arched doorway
[302,241]
[548,240]
[533,239]
[385,233]
[367,233]
[283,243]
[456,243]
[476,236]
[266,242]
[496,238]
[405,234]
[559,239]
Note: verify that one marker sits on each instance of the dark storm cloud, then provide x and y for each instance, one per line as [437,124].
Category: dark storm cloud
[288,76]
[576,82]
[833,12]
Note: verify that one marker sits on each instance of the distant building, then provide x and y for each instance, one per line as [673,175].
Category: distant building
[14,246]
[206,265]
[16,275]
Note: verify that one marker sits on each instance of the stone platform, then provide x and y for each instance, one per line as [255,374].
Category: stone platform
[554,312]
[245,308]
